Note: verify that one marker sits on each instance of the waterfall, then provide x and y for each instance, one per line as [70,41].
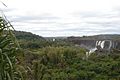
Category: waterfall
[99,42]
[96,43]
[91,51]
[110,45]
[102,44]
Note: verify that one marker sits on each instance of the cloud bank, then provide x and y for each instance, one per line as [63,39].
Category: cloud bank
[70,21]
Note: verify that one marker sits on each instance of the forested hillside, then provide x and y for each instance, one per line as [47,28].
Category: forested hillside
[62,60]
[27,36]
[29,40]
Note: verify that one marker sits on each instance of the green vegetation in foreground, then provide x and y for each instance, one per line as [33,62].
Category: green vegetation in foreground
[8,50]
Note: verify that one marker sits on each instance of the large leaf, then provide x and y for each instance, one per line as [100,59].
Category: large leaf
[5,43]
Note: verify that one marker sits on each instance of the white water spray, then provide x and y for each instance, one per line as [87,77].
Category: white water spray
[102,44]
[98,43]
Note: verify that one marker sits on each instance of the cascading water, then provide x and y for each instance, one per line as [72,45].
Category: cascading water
[101,44]
[98,43]
[91,51]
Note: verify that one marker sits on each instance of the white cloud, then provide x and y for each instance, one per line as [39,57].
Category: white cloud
[64,17]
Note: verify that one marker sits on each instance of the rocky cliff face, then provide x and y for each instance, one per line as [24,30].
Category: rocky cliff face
[105,43]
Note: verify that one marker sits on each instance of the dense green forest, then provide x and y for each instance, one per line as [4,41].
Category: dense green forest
[62,60]
[29,40]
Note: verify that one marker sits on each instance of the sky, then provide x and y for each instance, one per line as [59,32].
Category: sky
[64,17]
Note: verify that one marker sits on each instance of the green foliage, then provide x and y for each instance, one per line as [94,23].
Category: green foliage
[61,60]
[27,36]
[68,63]
[32,41]
[8,49]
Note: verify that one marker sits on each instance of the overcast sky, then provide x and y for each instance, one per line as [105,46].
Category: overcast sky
[64,17]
